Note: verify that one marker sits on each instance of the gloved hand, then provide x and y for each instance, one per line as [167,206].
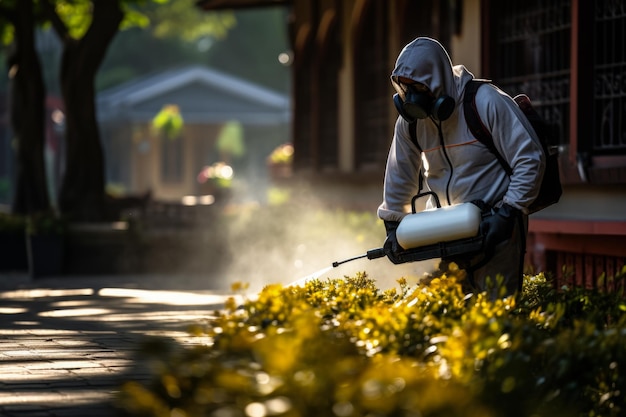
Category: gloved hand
[391,246]
[484,207]
[498,227]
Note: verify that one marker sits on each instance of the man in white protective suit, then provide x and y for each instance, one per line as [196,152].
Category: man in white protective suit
[456,166]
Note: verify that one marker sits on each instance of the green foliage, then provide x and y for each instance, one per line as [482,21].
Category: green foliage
[243,43]
[168,121]
[12,223]
[5,188]
[6,34]
[342,347]
[182,19]
[45,223]
[77,14]
[230,141]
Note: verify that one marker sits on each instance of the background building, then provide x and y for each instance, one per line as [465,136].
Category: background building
[141,158]
[567,55]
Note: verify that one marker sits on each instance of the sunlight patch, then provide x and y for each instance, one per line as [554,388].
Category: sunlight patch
[163,297]
[75,312]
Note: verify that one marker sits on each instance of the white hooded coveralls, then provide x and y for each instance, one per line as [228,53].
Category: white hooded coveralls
[457,167]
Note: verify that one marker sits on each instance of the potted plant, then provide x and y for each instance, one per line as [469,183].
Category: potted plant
[216,180]
[45,242]
[12,243]
[280,162]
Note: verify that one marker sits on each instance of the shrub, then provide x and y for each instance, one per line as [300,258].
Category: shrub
[12,223]
[342,347]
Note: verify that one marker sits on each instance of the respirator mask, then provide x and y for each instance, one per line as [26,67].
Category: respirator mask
[413,104]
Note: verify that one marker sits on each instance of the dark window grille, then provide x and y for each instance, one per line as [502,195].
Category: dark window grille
[171,160]
[532,55]
[609,77]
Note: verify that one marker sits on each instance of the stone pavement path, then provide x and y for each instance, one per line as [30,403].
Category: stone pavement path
[67,344]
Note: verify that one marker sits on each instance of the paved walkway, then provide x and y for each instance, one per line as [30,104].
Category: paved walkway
[67,344]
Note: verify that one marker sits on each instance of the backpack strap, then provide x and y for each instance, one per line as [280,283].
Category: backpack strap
[413,134]
[475,124]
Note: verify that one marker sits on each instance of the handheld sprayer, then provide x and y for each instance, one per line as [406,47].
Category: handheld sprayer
[441,232]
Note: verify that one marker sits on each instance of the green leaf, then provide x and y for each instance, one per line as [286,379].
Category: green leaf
[168,121]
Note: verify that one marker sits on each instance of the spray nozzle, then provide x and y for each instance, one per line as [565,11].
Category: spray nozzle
[371,254]
[376,253]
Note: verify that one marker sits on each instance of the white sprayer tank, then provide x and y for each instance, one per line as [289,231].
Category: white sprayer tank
[443,224]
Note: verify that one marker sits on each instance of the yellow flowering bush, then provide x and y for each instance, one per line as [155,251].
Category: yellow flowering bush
[341,347]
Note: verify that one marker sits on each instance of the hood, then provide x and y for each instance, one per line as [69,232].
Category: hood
[426,61]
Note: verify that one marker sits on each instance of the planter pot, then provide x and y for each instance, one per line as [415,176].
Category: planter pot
[101,248]
[45,255]
[13,251]
[280,171]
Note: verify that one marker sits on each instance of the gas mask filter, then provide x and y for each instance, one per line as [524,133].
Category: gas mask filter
[420,105]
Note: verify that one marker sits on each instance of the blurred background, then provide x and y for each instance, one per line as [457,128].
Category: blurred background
[243,140]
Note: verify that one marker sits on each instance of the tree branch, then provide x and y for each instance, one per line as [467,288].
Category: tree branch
[106,18]
[59,27]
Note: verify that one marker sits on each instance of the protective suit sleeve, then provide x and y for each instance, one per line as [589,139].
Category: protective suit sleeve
[517,142]
[401,174]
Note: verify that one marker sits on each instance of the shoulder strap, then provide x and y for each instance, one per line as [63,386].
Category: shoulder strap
[413,134]
[475,124]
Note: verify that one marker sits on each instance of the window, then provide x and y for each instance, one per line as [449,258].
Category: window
[531,55]
[171,159]
[609,95]
[568,56]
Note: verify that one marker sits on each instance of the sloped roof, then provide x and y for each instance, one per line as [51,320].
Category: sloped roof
[238,4]
[203,95]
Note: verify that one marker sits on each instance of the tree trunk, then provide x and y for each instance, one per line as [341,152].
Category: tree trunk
[27,115]
[82,196]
